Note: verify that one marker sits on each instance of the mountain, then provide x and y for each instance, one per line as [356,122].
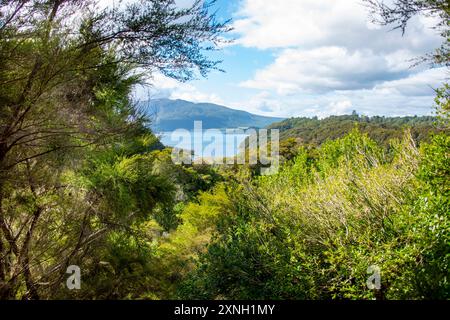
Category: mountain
[168,115]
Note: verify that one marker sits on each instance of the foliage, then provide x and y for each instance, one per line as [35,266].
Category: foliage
[381,129]
[399,12]
[82,179]
[311,231]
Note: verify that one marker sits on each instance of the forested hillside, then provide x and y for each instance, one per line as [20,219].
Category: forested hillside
[85,184]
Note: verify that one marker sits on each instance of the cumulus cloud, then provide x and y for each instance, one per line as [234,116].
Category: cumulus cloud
[419,84]
[330,60]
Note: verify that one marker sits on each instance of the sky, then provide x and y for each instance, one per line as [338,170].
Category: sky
[311,58]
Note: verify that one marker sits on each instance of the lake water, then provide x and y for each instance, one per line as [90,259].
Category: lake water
[212,142]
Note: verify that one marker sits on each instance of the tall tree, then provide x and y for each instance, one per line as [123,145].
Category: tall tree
[399,12]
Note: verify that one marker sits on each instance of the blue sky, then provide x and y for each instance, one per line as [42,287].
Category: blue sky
[315,57]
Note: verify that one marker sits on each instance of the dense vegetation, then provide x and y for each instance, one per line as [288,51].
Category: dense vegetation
[84,182]
[171,115]
[80,174]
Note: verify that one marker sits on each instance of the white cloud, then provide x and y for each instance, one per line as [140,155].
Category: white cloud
[122,3]
[412,95]
[328,45]
[328,68]
[418,84]
[330,60]
[310,23]
[278,24]
[262,103]
[327,60]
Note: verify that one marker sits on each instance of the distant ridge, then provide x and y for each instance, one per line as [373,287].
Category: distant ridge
[169,115]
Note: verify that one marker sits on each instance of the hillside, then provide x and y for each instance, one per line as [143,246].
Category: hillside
[169,115]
